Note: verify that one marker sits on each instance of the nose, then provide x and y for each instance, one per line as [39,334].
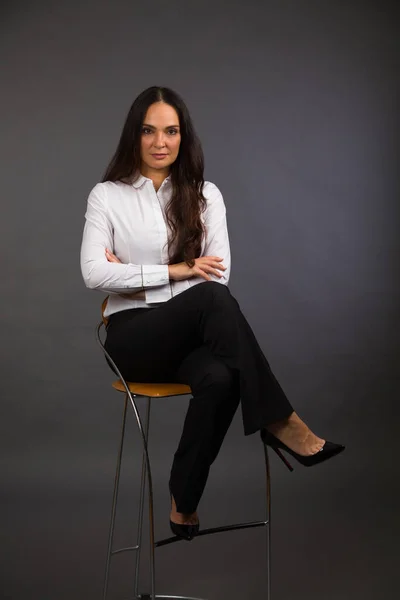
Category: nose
[159,140]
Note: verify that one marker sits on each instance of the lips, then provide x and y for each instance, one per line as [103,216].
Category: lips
[159,155]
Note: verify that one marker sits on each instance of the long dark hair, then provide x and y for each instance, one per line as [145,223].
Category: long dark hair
[187,179]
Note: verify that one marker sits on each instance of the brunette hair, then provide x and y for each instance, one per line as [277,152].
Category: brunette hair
[187,172]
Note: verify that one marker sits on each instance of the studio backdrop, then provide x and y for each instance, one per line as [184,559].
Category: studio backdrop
[296,105]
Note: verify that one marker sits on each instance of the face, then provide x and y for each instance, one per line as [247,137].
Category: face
[160,136]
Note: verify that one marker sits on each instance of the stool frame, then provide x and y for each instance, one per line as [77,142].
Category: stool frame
[146,476]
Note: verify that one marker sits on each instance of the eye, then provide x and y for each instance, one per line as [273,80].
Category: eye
[173,131]
[146,130]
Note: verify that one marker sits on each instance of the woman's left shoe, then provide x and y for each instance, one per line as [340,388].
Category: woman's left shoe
[328,450]
[185,532]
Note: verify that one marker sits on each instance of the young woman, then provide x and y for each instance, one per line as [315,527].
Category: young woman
[154,231]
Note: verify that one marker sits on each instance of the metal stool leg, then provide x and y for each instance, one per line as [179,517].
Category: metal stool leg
[151,532]
[268,489]
[114,502]
[147,471]
[141,501]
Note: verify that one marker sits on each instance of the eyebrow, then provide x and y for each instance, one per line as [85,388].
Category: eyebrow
[152,126]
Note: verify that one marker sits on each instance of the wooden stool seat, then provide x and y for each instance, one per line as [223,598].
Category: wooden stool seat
[153,390]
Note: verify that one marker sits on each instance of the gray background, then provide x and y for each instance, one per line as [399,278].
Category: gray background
[296,103]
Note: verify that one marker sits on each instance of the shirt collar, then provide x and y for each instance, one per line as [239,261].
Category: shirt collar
[141,179]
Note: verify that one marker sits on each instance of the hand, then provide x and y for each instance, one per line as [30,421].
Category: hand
[111,257]
[202,267]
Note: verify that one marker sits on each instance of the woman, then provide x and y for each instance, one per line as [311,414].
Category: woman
[154,230]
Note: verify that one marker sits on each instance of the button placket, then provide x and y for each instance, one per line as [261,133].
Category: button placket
[164,247]
[162,225]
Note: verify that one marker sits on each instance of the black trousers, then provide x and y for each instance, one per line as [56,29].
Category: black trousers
[199,337]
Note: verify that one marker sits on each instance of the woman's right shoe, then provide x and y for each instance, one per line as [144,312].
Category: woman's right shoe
[328,450]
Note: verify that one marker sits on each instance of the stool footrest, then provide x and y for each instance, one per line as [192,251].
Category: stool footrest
[148,597]
[124,549]
[212,530]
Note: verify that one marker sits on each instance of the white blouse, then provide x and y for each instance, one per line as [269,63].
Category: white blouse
[129,220]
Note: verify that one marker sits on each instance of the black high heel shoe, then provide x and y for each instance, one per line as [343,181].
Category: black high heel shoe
[328,450]
[185,532]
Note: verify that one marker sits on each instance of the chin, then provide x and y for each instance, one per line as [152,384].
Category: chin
[161,167]
[161,164]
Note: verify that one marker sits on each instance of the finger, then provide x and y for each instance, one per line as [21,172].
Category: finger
[210,260]
[218,258]
[110,256]
[212,271]
[215,265]
[203,274]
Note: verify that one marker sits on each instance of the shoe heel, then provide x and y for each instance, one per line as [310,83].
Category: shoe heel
[283,458]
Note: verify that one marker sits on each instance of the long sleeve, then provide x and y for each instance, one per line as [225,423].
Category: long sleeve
[217,238]
[98,273]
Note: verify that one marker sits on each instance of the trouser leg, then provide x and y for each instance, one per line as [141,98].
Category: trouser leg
[216,396]
[226,332]
[152,345]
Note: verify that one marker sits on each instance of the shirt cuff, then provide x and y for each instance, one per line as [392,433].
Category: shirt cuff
[155,275]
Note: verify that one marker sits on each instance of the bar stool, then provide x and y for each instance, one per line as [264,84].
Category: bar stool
[150,391]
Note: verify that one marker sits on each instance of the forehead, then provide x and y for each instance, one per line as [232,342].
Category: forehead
[161,114]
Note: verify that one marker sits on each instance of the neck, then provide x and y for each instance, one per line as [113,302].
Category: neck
[156,175]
